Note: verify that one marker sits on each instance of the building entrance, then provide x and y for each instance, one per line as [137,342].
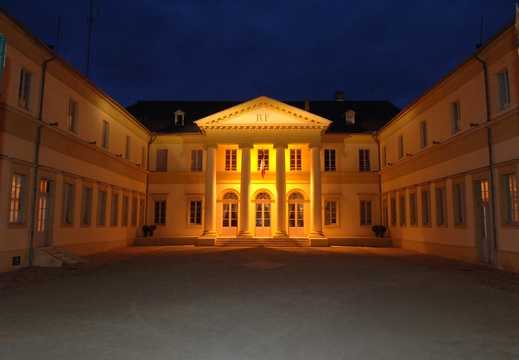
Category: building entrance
[296,222]
[263,212]
[230,214]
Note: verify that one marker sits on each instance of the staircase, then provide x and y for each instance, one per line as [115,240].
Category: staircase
[263,242]
[56,257]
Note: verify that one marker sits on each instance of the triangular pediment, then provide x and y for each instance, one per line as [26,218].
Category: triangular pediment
[263,112]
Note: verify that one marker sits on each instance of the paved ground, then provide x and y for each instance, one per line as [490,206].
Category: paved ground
[260,303]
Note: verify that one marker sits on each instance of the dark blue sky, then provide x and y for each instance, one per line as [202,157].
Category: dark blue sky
[288,50]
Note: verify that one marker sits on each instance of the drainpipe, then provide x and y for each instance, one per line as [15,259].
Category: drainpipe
[37,163]
[375,137]
[152,139]
[490,159]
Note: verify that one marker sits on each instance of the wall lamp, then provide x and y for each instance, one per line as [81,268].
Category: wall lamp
[53,124]
[119,155]
[409,155]
[137,164]
[435,142]
[92,142]
[473,124]
[389,164]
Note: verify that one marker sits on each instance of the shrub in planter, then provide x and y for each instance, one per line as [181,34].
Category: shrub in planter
[148,230]
[379,230]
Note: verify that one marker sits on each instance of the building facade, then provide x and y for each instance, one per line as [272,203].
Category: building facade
[80,172]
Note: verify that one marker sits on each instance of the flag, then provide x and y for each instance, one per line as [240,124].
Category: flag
[262,165]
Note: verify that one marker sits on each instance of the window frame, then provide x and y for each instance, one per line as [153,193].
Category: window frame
[102,200]
[68,208]
[73,116]
[197,160]
[230,159]
[159,211]
[105,135]
[295,160]
[459,203]
[441,206]
[503,96]
[364,160]
[455,114]
[423,134]
[510,199]
[263,155]
[114,209]
[426,206]
[331,212]
[366,212]
[18,200]
[330,160]
[161,160]
[25,89]
[195,213]
[87,197]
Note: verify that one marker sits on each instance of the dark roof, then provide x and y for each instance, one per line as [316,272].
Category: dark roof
[158,116]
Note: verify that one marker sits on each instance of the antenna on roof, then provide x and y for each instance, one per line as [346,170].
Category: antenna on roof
[90,20]
[480,34]
[57,35]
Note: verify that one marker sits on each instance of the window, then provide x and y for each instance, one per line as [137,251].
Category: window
[143,157]
[195,212]
[393,211]
[114,213]
[101,207]
[441,218]
[364,160]
[68,204]
[423,134]
[511,201]
[230,160]
[365,212]
[330,212]
[413,211]
[263,160]
[162,160]
[124,211]
[134,212]
[458,191]
[455,117]
[105,135]
[17,205]
[128,148]
[72,119]
[24,89]
[400,146]
[86,206]
[401,203]
[159,216]
[295,159]
[179,118]
[196,160]
[426,208]
[329,160]
[384,159]
[503,90]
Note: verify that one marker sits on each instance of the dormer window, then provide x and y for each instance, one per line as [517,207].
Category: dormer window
[350,117]
[179,117]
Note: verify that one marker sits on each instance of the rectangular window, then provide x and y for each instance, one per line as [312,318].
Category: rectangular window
[329,160]
[114,212]
[105,136]
[426,208]
[143,157]
[17,205]
[161,162]
[384,159]
[423,134]
[68,204]
[401,203]
[196,160]
[458,191]
[295,159]
[101,207]
[400,146]
[413,211]
[441,218]
[128,148]
[134,212]
[73,112]
[330,212]
[195,212]
[511,201]
[24,89]
[124,211]
[86,206]
[263,160]
[455,117]
[159,216]
[364,160]
[503,90]
[393,211]
[365,212]
[230,160]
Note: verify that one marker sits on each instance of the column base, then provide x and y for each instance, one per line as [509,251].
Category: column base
[319,242]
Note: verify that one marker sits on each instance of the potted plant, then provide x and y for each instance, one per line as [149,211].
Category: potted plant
[379,230]
[148,230]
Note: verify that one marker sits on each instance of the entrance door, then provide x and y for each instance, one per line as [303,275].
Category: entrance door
[230,214]
[482,220]
[296,213]
[263,209]
[42,229]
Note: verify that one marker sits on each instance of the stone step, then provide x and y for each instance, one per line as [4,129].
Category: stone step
[266,242]
[66,258]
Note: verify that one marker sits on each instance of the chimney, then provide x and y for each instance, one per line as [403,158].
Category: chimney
[339,96]
[307,105]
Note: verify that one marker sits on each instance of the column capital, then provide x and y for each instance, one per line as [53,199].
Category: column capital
[280,146]
[210,145]
[315,145]
[245,146]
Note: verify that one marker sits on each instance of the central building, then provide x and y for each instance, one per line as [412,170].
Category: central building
[263,168]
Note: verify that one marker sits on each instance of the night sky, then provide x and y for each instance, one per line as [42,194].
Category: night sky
[284,49]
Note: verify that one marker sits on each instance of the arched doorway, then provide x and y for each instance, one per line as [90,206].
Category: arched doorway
[263,212]
[296,215]
[230,214]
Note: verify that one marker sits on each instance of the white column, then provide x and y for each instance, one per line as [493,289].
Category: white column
[210,192]
[281,230]
[316,224]
[244,213]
